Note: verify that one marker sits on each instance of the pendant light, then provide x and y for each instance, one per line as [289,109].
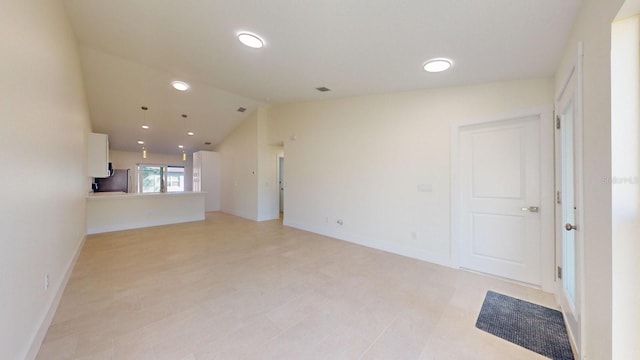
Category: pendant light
[144,126]
[189,132]
[144,122]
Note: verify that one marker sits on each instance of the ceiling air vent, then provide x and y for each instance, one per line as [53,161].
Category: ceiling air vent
[208,143]
[323,89]
[241,109]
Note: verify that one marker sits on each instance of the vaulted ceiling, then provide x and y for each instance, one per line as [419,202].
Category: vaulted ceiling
[132,49]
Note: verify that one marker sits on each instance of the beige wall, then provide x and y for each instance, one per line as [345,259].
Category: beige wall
[360,160]
[239,170]
[249,173]
[268,195]
[593,28]
[130,160]
[625,135]
[43,146]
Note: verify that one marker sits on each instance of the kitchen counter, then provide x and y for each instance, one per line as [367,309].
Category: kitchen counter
[108,193]
[120,194]
[121,211]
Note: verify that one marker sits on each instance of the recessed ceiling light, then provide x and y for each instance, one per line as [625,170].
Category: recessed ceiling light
[145,126]
[190,133]
[323,89]
[437,65]
[250,40]
[180,146]
[180,85]
[140,142]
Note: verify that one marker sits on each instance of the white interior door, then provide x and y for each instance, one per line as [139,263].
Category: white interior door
[568,232]
[500,182]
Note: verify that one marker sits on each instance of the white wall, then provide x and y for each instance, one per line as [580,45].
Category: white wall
[593,27]
[361,159]
[130,160]
[206,165]
[625,155]
[239,170]
[43,151]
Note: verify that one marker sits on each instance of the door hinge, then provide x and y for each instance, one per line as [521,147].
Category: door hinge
[559,272]
[558,197]
[557,121]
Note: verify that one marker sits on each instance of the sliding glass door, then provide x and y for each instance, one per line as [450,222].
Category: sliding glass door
[150,178]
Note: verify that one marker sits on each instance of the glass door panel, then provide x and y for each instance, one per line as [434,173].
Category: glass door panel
[568,203]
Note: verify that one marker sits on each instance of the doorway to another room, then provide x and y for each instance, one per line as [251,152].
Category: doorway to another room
[281,185]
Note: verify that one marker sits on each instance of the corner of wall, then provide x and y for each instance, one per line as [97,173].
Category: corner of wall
[240,168]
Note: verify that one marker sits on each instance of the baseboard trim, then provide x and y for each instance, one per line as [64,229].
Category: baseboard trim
[46,322]
[572,339]
[238,213]
[269,217]
[373,243]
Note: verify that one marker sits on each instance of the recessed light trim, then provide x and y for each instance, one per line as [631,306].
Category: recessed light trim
[323,89]
[437,65]
[250,40]
[180,85]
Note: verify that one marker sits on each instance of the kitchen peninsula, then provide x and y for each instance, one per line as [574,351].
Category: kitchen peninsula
[122,211]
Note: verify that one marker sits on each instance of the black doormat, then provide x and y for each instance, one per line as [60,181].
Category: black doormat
[531,326]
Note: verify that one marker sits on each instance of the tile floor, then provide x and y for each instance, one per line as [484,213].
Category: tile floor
[229,288]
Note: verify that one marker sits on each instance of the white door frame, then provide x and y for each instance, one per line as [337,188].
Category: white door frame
[575,74]
[547,204]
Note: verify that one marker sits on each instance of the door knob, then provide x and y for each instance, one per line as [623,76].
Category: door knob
[570,227]
[533,209]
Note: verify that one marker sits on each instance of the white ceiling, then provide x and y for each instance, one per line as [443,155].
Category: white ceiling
[132,49]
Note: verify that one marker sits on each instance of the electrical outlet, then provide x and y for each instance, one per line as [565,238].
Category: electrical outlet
[46,282]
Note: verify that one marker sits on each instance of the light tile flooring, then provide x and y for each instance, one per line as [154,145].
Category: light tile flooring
[229,288]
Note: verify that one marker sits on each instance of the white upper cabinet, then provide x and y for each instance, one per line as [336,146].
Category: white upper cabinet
[98,155]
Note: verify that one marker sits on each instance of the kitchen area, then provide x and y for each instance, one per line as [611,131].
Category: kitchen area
[131,190]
